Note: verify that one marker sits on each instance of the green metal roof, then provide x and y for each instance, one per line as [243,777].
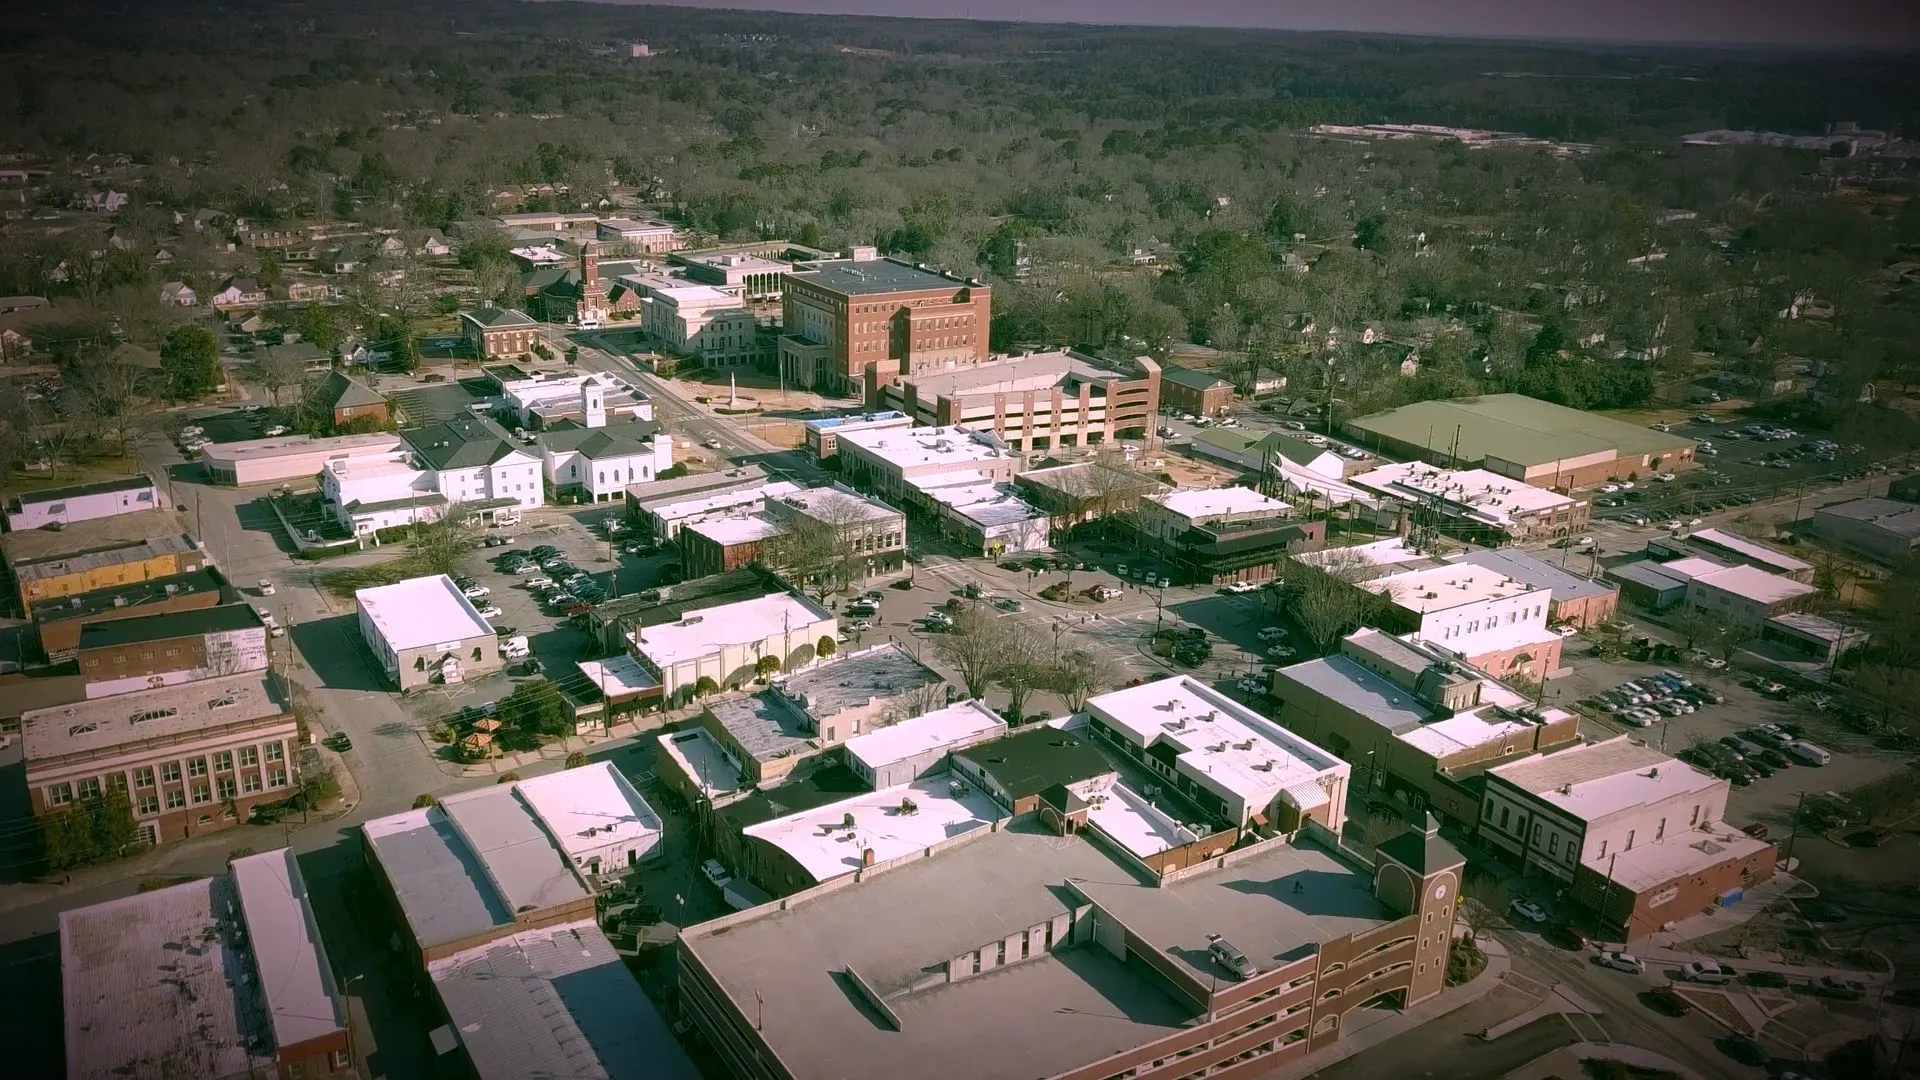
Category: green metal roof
[1198,380]
[1513,427]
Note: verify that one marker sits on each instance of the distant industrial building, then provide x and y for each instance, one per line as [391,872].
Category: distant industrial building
[1884,530]
[1522,438]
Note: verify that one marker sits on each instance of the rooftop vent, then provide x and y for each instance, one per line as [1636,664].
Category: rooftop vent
[1566,789]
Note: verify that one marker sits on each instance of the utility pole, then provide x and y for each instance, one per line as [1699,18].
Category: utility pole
[1798,802]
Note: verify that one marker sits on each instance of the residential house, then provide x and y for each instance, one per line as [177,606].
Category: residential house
[238,293]
[350,400]
[178,293]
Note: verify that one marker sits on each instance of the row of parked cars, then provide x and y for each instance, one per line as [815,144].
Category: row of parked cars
[1647,701]
[1756,753]
[553,579]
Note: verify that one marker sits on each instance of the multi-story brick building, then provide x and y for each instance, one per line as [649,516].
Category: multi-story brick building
[1201,393]
[1223,535]
[163,649]
[1043,401]
[1418,726]
[192,758]
[104,553]
[497,332]
[843,315]
[59,624]
[1640,836]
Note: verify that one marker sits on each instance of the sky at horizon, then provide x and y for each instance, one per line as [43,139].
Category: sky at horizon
[1802,23]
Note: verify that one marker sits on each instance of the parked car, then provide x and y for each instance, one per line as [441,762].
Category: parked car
[716,873]
[476,591]
[1765,978]
[1710,972]
[1240,587]
[1757,830]
[1620,961]
[266,587]
[1528,910]
[1223,953]
[491,611]
[1827,986]
[1670,1001]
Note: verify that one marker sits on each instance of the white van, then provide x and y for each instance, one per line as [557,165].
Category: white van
[1806,753]
[516,647]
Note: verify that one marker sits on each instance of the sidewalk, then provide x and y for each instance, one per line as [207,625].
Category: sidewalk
[1395,1024]
[1565,1061]
[1756,900]
[1658,955]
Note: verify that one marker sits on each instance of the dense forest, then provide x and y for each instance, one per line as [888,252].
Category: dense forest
[1055,161]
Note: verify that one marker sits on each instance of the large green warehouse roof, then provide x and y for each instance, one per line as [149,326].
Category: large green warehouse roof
[1513,427]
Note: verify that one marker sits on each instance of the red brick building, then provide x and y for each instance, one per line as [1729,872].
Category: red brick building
[192,758]
[1201,393]
[724,543]
[349,400]
[842,315]
[59,624]
[497,332]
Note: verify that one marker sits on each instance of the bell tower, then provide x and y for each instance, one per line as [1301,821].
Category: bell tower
[1419,875]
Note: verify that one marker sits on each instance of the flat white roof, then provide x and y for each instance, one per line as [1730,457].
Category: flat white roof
[957,725]
[1441,588]
[422,611]
[917,447]
[1649,866]
[1213,502]
[814,501]
[589,808]
[1761,553]
[619,676]
[705,761]
[1477,493]
[290,445]
[302,1001]
[522,858]
[707,631]
[986,505]
[1220,741]
[1469,730]
[725,500]
[1597,780]
[693,294]
[1753,583]
[730,530]
[1131,821]
[818,840]
[1691,567]
[1389,552]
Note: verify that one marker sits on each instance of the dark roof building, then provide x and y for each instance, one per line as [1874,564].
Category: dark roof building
[1423,850]
[495,318]
[348,399]
[629,439]
[463,442]
[1019,769]
[226,618]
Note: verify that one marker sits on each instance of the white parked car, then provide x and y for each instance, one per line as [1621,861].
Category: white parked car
[1620,961]
[266,587]
[1528,910]
[1609,489]
[266,617]
[1566,631]
[1272,633]
[1241,587]
[277,429]
[491,611]
[255,408]
[1707,971]
[860,625]
[475,592]
[716,873]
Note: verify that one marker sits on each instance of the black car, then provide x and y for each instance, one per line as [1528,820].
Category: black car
[505,631]
[545,551]
[1744,1050]
[1765,978]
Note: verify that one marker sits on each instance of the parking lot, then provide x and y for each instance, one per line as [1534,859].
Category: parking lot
[1767,800]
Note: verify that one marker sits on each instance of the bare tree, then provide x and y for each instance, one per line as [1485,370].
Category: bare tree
[1078,675]
[1484,902]
[1327,599]
[1728,636]
[821,545]
[275,373]
[107,391]
[916,702]
[974,648]
[1694,623]
[1025,664]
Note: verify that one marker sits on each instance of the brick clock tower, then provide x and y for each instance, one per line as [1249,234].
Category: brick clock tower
[1419,874]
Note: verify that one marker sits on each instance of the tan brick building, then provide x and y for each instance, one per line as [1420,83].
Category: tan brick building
[59,624]
[843,315]
[192,758]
